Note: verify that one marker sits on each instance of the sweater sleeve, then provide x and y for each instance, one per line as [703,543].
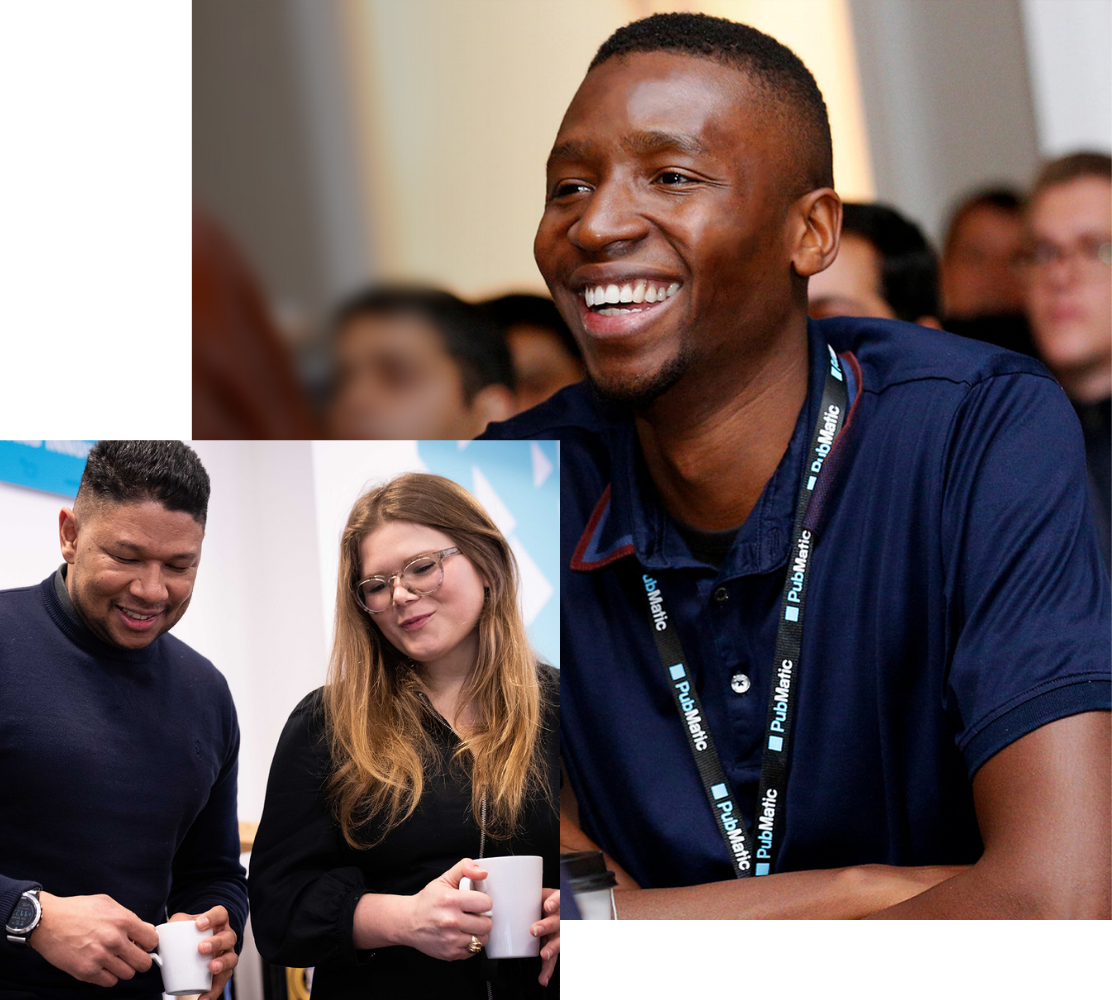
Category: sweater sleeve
[206,871]
[303,896]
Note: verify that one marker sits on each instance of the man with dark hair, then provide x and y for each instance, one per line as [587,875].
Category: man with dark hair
[545,355]
[1069,302]
[980,256]
[833,608]
[417,363]
[981,283]
[118,743]
[885,268]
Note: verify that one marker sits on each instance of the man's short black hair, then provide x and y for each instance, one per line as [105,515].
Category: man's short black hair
[167,472]
[909,267]
[777,71]
[1002,199]
[474,341]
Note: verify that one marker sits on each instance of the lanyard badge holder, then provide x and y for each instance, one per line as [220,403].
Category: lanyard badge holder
[753,854]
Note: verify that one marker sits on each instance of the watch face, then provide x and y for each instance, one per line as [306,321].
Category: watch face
[23,914]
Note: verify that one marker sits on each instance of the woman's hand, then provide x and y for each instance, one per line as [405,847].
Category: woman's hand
[548,930]
[442,918]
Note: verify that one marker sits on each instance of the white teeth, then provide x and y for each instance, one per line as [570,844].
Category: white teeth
[638,292]
[618,312]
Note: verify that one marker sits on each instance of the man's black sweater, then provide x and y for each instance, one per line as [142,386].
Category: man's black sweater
[117,776]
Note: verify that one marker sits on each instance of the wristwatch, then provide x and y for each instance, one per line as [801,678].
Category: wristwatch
[25,917]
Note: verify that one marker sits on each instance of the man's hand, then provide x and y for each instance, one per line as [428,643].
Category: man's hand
[93,938]
[548,930]
[221,946]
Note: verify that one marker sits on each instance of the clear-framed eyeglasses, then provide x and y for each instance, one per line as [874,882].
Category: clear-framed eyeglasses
[422,576]
[1092,254]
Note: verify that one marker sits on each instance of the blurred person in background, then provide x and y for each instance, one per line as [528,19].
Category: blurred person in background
[545,355]
[984,240]
[885,268]
[244,385]
[981,283]
[414,362]
[1069,301]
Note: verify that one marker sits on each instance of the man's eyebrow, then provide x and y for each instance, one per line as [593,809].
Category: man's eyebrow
[572,149]
[662,142]
[133,547]
[637,143]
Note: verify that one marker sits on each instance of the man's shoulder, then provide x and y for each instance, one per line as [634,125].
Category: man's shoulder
[193,666]
[14,598]
[891,352]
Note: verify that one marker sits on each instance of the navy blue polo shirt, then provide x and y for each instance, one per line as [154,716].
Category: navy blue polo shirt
[957,601]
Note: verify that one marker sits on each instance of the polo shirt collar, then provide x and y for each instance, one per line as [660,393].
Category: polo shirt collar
[630,519]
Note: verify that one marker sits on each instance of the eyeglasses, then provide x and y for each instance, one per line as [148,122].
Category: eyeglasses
[1093,254]
[422,575]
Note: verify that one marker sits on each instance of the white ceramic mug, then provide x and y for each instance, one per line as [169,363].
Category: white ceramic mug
[184,969]
[513,883]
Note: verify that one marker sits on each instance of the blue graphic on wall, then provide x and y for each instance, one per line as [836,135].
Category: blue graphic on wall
[50,466]
[518,482]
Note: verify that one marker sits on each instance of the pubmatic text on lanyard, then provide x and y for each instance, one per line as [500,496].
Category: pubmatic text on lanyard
[754,853]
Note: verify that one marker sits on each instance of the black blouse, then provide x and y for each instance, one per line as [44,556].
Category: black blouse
[305,880]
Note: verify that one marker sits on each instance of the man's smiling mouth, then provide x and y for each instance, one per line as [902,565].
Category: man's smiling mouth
[632,296]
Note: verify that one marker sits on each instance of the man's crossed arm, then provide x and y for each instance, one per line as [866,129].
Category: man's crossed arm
[1043,806]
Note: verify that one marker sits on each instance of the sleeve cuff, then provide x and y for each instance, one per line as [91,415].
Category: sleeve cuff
[1083,694]
[10,891]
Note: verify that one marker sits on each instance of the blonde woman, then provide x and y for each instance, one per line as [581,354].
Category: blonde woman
[433,743]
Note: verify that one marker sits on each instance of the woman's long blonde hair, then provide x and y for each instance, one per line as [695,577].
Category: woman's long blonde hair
[373,704]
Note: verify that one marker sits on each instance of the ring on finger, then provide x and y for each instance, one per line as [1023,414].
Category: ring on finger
[475,946]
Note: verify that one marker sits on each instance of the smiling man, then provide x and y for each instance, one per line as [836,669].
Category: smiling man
[118,743]
[833,606]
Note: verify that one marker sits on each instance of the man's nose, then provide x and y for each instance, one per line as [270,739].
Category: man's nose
[149,585]
[611,217]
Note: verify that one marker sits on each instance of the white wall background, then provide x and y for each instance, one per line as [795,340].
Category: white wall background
[1069,48]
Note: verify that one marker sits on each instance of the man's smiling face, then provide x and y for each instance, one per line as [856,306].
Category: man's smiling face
[131,568]
[664,239]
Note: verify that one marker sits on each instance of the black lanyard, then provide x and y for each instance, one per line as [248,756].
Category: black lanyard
[754,854]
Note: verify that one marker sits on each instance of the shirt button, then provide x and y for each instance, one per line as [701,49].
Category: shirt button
[721,594]
[740,683]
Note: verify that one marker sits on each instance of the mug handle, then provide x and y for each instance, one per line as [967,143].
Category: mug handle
[156,958]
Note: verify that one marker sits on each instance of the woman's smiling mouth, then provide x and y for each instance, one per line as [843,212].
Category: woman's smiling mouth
[414,623]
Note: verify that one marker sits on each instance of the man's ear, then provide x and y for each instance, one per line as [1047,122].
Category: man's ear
[492,402]
[67,534]
[817,228]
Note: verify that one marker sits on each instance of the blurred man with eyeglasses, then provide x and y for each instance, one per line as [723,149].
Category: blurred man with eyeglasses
[1069,302]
